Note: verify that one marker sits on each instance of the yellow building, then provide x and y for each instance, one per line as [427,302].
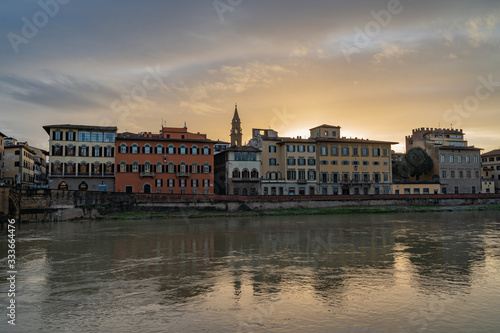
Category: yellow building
[325,163]
[81,157]
[416,188]
[491,168]
[19,165]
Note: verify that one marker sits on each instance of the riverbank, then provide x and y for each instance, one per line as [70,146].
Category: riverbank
[299,211]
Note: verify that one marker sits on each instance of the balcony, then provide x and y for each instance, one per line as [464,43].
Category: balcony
[182,174]
[147,174]
[301,181]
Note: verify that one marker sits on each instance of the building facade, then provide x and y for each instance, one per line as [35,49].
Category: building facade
[19,166]
[325,163]
[238,171]
[41,170]
[491,165]
[174,161]
[81,157]
[457,166]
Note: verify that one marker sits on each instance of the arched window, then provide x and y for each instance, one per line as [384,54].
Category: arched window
[171,167]
[236,173]
[69,168]
[206,150]
[255,173]
[70,150]
[123,166]
[159,148]
[182,167]
[194,168]
[96,168]
[147,167]
[147,149]
[83,168]
[109,168]
[206,168]
[159,167]
[183,150]
[57,168]
[109,151]
[84,151]
[57,150]
[194,150]
[96,151]
[245,174]
[135,166]
[171,149]
[63,186]
[123,148]
[134,149]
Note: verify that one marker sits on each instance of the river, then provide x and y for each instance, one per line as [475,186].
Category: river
[426,272]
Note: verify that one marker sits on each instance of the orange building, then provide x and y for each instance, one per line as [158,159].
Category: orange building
[174,161]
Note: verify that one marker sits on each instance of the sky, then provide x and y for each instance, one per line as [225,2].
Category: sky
[376,68]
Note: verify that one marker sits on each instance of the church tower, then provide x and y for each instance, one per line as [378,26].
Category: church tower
[236,129]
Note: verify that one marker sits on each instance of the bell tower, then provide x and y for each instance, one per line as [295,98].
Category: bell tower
[236,129]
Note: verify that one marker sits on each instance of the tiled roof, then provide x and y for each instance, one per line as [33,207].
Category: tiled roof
[492,153]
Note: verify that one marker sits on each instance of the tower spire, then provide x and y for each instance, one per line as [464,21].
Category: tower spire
[236,128]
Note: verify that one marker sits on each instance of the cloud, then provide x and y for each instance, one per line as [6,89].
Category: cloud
[481,29]
[391,52]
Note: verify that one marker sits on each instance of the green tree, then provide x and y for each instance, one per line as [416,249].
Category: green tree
[418,162]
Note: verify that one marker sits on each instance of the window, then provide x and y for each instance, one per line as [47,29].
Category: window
[96,151]
[194,168]
[159,149]
[311,161]
[459,159]
[70,136]
[182,183]
[291,175]
[311,149]
[236,173]
[57,135]
[345,162]
[183,150]
[147,149]
[467,159]
[206,182]
[123,148]
[206,168]
[272,161]
[324,162]
[254,174]
[272,149]
[123,167]
[324,150]
[194,150]
[56,150]
[290,148]
[194,182]
[301,148]
[355,151]
[469,174]
[443,174]
[134,149]
[109,137]
[290,161]
[135,166]
[460,174]
[335,177]
[311,175]
[206,150]
[171,183]
[386,177]
[376,163]
[159,167]
[96,137]
[334,162]
[345,151]
[171,167]
[452,159]
[335,151]
[452,174]
[385,152]
[443,159]
[84,136]
[159,182]
[108,151]
[376,151]
[301,161]
[457,190]
[476,159]
[365,151]
[416,191]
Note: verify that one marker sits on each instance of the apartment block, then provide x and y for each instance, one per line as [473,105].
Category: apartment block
[81,157]
[174,161]
[19,165]
[457,166]
[238,171]
[491,168]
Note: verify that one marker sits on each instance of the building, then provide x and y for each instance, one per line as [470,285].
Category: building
[236,134]
[352,165]
[174,161]
[2,153]
[220,146]
[238,171]
[325,163]
[81,157]
[416,188]
[491,167]
[19,165]
[40,172]
[457,166]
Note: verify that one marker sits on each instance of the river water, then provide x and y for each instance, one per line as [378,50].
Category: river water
[426,272]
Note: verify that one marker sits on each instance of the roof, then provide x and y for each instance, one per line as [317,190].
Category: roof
[324,125]
[222,142]
[22,146]
[80,127]
[156,137]
[244,148]
[491,153]
[459,148]
[3,135]
[350,140]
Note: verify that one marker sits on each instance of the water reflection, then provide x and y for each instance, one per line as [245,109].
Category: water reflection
[378,272]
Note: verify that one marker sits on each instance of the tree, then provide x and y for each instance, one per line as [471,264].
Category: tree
[418,162]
